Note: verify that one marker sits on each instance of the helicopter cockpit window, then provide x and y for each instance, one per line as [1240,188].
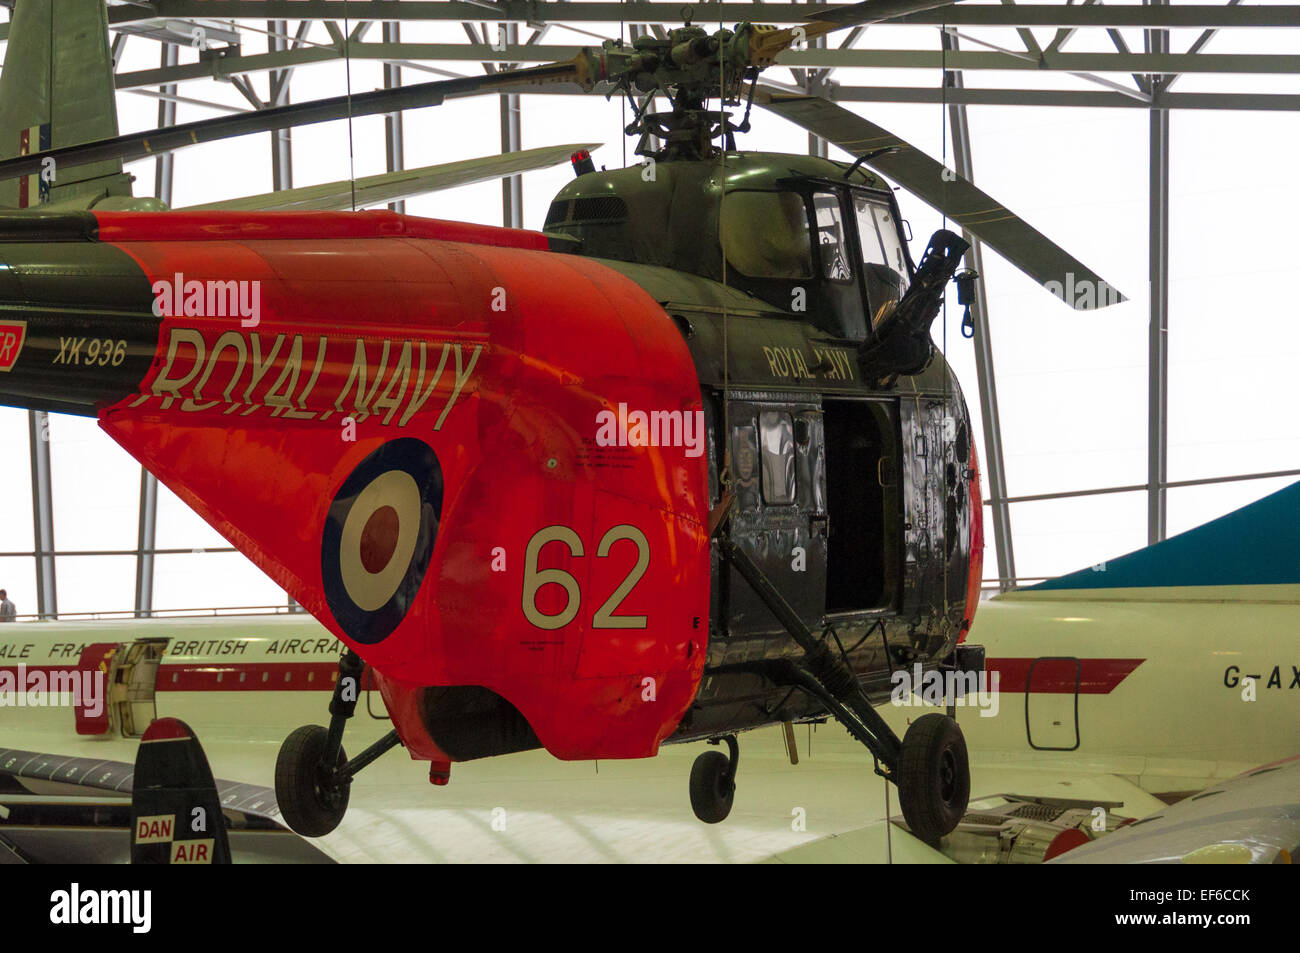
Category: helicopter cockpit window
[777,435]
[765,234]
[878,235]
[832,246]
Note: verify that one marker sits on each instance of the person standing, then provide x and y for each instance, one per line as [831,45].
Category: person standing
[7,611]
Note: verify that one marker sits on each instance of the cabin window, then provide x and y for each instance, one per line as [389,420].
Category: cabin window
[777,433]
[878,235]
[832,245]
[765,234]
[745,467]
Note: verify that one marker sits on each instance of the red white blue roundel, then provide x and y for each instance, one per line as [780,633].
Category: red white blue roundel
[378,538]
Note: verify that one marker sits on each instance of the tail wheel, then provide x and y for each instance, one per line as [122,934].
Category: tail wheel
[933,776]
[713,787]
[312,801]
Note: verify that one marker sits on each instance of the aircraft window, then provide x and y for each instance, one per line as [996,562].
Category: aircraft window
[744,459]
[777,431]
[878,235]
[765,234]
[830,236]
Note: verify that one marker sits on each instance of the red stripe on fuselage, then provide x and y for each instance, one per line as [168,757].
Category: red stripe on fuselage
[253,677]
[41,669]
[226,677]
[1054,676]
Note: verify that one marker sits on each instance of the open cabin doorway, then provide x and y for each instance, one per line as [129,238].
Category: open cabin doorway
[864,539]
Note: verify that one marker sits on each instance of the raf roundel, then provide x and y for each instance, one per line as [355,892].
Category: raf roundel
[378,538]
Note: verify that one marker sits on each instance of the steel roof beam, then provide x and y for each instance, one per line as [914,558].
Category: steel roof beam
[1071,17]
[1196,47]
[1191,16]
[1026,37]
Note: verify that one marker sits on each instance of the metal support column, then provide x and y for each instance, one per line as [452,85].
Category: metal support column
[999,509]
[281,140]
[145,543]
[512,187]
[1157,41]
[815,84]
[146,537]
[47,590]
[164,164]
[394,147]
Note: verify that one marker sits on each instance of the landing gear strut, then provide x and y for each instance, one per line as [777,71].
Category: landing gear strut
[929,765]
[713,782]
[313,776]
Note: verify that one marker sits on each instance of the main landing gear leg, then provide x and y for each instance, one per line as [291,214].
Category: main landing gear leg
[930,765]
[713,782]
[313,776]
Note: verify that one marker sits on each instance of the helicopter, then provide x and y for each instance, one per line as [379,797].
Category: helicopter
[683,464]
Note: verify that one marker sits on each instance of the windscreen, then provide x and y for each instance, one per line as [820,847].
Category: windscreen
[878,235]
[831,239]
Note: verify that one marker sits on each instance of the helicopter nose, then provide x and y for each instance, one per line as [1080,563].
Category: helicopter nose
[77,329]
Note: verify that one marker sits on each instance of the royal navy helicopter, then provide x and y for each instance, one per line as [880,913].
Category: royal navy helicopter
[685,463]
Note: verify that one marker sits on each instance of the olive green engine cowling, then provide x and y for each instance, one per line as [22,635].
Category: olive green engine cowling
[670,213]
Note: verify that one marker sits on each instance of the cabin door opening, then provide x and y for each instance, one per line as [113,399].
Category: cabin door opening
[1052,703]
[134,681]
[862,497]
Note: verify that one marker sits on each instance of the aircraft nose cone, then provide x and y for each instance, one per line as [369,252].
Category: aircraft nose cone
[77,329]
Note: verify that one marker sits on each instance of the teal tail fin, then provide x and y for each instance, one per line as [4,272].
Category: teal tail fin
[1257,545]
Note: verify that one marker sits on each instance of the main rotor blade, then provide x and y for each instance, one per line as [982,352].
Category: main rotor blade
[391,186]
[875,11]
[1013,238]
[144,144]
[768,42]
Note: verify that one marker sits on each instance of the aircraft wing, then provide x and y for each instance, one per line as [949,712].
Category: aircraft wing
[393,186]
[1252,819]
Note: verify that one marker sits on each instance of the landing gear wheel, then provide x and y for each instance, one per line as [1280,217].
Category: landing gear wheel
[933,776]
[312,801]
[713,787]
